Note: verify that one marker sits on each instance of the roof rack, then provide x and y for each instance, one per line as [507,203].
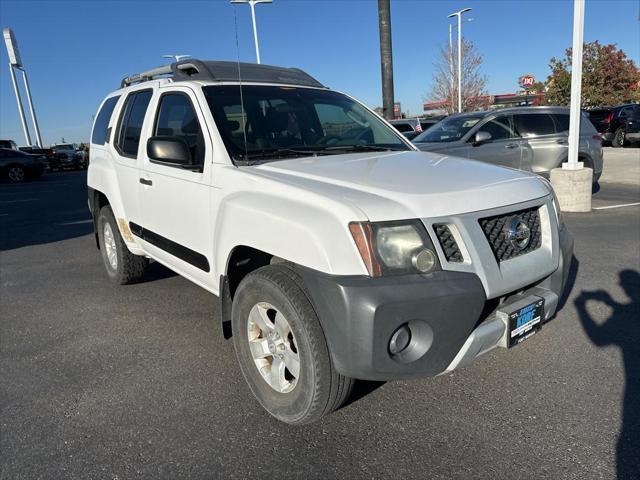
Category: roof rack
[223,71]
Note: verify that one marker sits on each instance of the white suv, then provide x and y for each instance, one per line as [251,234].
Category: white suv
[336,249]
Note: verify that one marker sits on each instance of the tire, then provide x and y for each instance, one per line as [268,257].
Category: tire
[618,139]
[271,294]
[123,267]
[16,174]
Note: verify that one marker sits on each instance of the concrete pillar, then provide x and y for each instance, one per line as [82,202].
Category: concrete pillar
[573,188]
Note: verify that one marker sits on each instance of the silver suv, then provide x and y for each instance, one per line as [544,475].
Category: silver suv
[533,139]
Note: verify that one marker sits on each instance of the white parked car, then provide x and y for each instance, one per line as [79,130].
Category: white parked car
[337,249]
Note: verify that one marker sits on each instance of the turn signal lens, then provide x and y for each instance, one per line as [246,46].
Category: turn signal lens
[362,233]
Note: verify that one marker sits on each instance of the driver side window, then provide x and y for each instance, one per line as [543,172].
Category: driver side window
[500,128]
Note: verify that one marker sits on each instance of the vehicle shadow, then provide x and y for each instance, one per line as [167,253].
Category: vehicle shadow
[621,329]
[571,281]
[361,388]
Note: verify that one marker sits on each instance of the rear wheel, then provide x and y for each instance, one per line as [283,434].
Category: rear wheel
[123,267]
[618,139]
[281,348]
[16,174]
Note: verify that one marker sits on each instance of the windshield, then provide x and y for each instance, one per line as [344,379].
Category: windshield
[450,129]
[279,122]
[64,147]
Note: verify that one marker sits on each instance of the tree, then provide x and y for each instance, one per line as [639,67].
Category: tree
[608,77]
[445,81]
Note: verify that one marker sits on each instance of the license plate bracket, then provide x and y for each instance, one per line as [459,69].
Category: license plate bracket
[523,318]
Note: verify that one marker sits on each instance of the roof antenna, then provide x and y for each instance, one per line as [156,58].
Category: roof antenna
[244,115]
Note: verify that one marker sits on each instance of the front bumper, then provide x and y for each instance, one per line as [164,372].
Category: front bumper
[456,323]
[632,136]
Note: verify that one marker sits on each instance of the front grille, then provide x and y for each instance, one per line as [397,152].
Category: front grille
[448,243]
[497,229]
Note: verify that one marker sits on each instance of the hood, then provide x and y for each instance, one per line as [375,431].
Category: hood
[398,185]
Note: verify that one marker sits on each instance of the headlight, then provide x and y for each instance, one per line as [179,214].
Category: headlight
[393,248]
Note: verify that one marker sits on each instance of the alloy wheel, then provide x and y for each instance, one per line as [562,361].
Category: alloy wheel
[110,246]
[273,347]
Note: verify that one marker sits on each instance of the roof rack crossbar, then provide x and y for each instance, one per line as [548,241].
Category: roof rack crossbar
[147,75]
[224,71]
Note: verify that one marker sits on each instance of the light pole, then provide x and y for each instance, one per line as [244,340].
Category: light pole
[459,15]
[252,4]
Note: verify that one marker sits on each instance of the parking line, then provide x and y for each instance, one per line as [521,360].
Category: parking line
[22,200]
[617,206]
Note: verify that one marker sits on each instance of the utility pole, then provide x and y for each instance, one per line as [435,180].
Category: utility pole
[252,4]
[452,95]
[459,15]
[572,183]
[386,58]
[576,86]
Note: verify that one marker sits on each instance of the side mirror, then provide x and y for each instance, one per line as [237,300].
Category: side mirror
[172,151]
[481,137]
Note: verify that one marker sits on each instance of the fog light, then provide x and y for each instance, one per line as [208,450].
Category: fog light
[400,339]
[424,260]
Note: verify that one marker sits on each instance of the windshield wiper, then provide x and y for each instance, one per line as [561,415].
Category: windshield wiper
[255,156]
[366,148]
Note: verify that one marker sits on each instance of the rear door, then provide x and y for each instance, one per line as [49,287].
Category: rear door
[503,149]
[176,218]
[127,147]
[543,147]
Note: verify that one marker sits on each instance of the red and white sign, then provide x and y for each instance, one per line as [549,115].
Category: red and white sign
[527,81]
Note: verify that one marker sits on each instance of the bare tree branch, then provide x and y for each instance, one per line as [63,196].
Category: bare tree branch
[444,86]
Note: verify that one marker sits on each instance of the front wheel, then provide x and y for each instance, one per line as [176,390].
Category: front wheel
[618,139]
[123,267]
[281,348]
[16,174]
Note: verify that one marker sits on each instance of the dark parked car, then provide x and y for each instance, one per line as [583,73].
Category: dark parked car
[632,128]
[18,166]
[68,158]
[47,154]
[409,126]
[611,122]
[10,144]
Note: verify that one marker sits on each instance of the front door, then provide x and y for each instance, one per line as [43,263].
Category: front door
[176,220]
[504,147]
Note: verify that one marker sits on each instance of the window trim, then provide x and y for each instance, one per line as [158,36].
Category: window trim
[123,109]
[155,126]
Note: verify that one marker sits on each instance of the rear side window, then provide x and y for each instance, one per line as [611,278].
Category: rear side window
[534,124]
[100,126]
[131,122]
[562,121]
[177,118]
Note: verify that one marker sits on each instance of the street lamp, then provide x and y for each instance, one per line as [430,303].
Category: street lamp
[252,4]
[459,15]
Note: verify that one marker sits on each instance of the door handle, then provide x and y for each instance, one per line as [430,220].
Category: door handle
[144,181]
[511,145]
[562,141]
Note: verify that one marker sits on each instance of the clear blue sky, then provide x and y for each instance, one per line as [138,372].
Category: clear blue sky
[77,51]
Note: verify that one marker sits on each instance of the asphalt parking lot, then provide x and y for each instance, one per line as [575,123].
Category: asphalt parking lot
[99,381]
